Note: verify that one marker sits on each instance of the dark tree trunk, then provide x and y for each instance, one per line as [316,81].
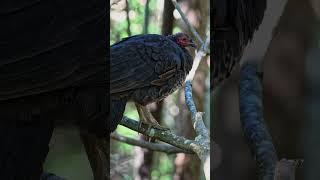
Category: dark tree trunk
[146,17]
[167,22]
[127,8]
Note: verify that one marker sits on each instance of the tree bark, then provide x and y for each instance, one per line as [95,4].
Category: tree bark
[187,167]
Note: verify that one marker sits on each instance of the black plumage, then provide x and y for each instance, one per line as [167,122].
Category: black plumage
[147,68]
[235,22]
[52,68]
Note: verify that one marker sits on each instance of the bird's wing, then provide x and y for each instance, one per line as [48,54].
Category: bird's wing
[142,61]
[62,46]
[235,23]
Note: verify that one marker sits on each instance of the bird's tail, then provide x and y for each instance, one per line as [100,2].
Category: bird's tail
[23,148]
[117,109]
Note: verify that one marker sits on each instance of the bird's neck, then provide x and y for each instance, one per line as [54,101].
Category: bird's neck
[172,38]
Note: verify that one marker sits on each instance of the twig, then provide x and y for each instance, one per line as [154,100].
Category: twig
[199,55]
[190,27]
[203,136]
[169,149]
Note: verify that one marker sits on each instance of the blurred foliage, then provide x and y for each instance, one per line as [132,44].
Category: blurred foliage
[119,23]
[67,157]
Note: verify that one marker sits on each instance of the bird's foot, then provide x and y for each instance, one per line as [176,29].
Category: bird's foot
[149,125]
[158,126]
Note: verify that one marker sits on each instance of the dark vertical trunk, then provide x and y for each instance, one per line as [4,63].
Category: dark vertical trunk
[146,17]
[167,22]
[127,8]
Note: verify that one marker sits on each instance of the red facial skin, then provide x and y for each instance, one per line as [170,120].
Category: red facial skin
[184,40]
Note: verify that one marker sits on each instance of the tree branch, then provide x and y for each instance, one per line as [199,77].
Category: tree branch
[251,116]
[202,142]
[166,148]
[165,136]
[184,18]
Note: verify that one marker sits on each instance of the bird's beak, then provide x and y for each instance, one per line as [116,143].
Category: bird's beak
[192,44]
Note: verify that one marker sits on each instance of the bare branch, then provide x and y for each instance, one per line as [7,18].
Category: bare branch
[166,148]
[190,27]
[199,55]
[165,136]
[203,137]
[201,146]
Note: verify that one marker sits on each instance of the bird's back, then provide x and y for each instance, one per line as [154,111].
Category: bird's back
[146,68]
[50,45]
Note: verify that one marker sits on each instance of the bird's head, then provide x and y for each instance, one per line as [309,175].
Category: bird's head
[184,40]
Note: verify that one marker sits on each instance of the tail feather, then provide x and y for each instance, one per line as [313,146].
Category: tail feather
[23,149]
[117,110]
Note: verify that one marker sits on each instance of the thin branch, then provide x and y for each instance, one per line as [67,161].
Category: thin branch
[166,148]
[190,27]
[202,145]
[165,136]
[196,62]
[202,142]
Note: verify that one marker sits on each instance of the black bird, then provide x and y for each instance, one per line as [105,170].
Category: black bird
[147,68]
[52,67]
[235,21]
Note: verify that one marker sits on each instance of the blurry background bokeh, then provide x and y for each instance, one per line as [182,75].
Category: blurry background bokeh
[288,27]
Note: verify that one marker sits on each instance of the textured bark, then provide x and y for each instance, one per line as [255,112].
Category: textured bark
[187,167]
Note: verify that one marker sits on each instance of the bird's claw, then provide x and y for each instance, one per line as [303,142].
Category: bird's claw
[146,125]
